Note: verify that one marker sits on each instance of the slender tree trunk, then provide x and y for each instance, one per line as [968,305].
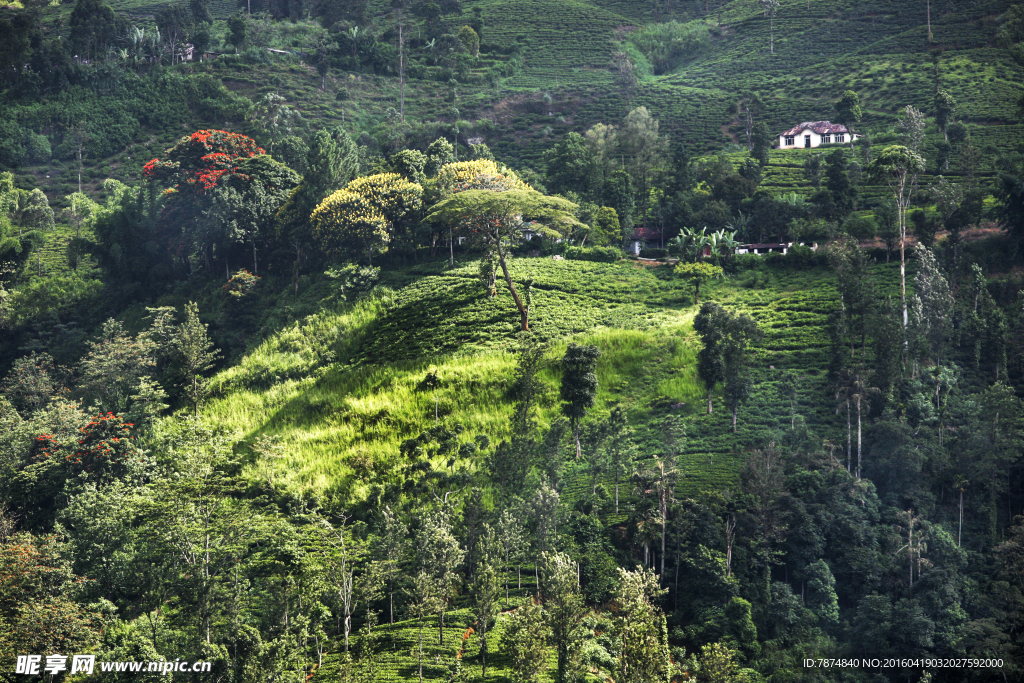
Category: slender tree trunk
[401,67]
[858,436]
[524,316]
[421,649]
[664,527]
[255,266]
[849,448]
[928,4]
[735,408]
[960,526]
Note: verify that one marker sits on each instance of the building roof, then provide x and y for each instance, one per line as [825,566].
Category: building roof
[819,127]
[645,234]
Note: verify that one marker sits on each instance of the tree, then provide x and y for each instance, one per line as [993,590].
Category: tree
[887,223]
[910,127]
[113,371]
[564,610]
[642,629]
[848,111]
[440,153]
[619,444]
[812,170]
[439,555]
[524,642]
[945,105]
[571,166]
[484,590]
[770,7]
[894,165]
[644,147]
[175,24]
[94,27]
[274,117]
[196,166]
[841,191]
[246,203]
[37,213]
[495,219]
[711,324]
[761,143]
[514,543]
[195,355]
[389,549]
[331,162]
[424,601]
[364,216]
[579,385]
[698,274]
[749,106]
[741,331]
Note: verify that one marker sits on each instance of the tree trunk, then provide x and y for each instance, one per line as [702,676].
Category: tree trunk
[849,448]
[709,400]
[928,5]
[421,649]
[858,436]
[735,408]
[524,316]
[960,526]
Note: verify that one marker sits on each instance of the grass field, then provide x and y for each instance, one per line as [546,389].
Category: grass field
[341,389]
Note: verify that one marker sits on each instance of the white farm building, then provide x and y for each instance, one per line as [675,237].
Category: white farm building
[811,134]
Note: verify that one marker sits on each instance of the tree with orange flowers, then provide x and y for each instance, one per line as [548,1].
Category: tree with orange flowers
[211,181]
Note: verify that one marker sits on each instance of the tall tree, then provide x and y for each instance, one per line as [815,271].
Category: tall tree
[195,355]
[524,642]
[945,105]
[564,609]
[579,385]
[770,7]
[495,219]
[642,629]
[894,166]
[848,111]
[484,590]
[711,324]
[741,332]
[643,148]
[439,555]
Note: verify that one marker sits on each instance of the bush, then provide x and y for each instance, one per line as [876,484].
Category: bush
[653,253]
[742,262]
[599,254]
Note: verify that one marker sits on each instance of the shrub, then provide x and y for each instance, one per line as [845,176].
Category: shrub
[653,253]
[742,262]
[599,254]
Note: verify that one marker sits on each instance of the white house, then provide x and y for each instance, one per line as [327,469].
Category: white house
[812,134]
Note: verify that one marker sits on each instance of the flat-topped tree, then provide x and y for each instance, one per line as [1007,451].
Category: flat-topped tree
[498,220]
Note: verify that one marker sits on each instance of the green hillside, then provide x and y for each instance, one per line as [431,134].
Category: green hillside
[408,340]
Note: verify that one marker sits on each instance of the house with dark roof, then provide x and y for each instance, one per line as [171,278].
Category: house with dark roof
[812,134]
[642,238]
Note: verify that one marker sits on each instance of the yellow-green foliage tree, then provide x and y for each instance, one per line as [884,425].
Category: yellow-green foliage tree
[478,174]
[347,222]
[367,215]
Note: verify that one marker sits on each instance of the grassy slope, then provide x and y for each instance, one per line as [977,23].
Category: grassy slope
[340,388]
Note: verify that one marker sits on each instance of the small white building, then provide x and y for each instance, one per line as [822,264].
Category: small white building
[810,134]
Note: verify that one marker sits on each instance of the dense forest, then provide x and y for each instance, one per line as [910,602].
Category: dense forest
[371,340]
